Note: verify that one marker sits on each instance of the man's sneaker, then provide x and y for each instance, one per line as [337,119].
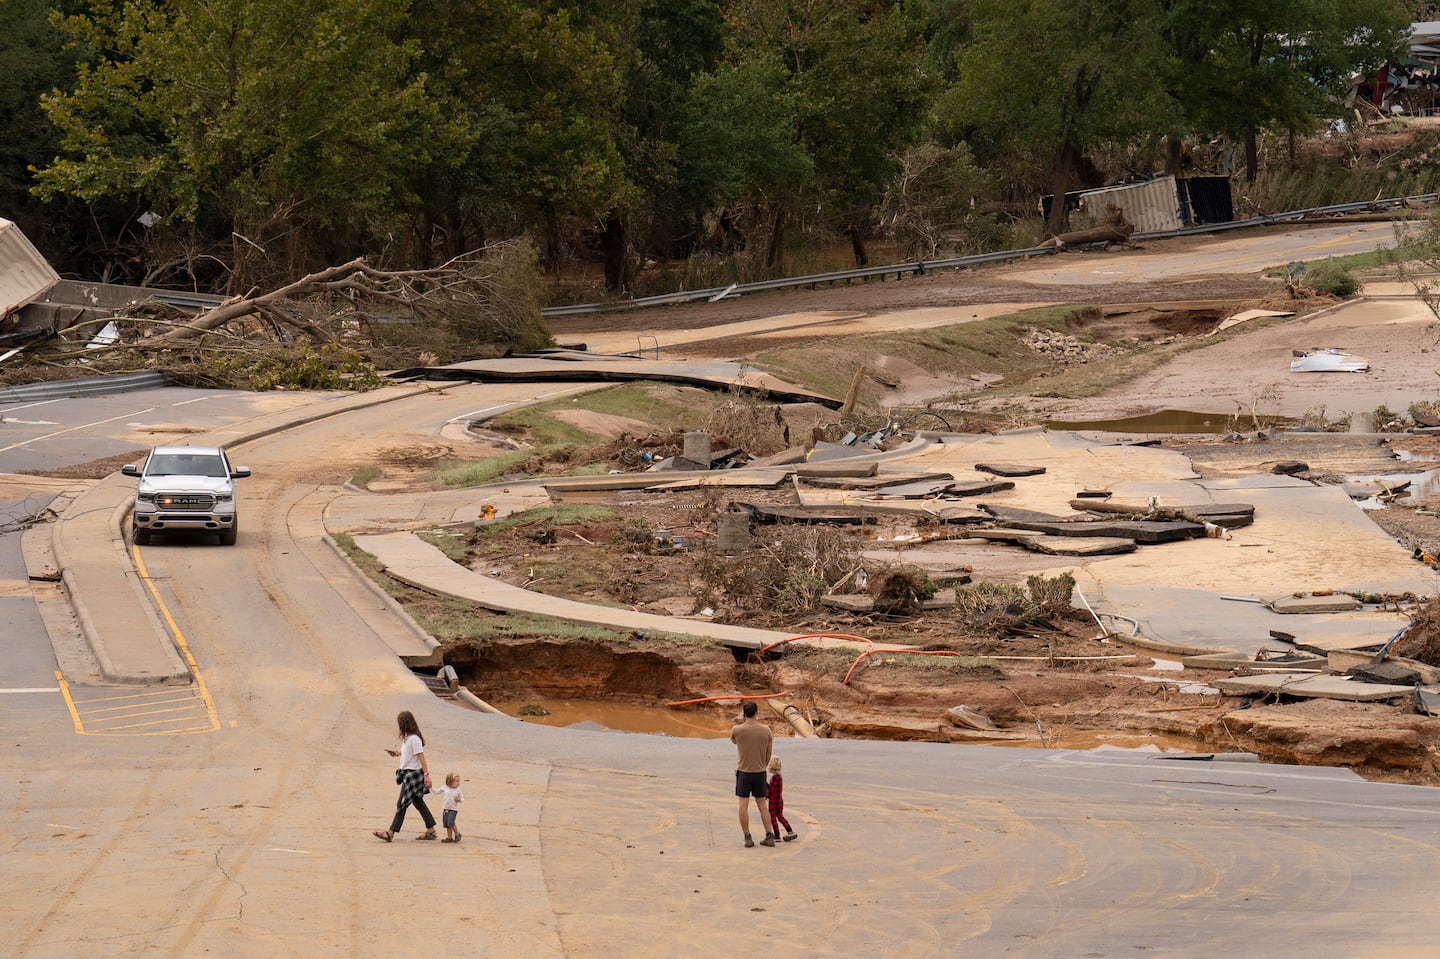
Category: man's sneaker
[750,842]
[790,835]
[768,840]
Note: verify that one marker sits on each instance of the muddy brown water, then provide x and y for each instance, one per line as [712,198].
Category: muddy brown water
[664,721]
[622,717]
[1167,421]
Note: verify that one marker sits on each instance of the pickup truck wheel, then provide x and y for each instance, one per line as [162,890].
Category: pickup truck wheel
[142,537]
[228,537]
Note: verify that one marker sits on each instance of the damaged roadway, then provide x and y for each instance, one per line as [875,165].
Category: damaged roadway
[601,844]
[908,849]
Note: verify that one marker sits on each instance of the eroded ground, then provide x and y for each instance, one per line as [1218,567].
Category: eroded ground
[1042,680]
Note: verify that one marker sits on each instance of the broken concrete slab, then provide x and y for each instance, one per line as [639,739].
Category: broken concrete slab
[825,451]
[795,454]
[807,516]
[877,481]
[1342,660]
[1196,511]
[1199,620]
[850,602]
[1290,660]
[1139,531]
[963,515]
[980,488]
[1310,603]
[1018,536]
[1010,469]
[1312,687]
[1079,545]
[969,717]
[1392,674]
[754,479]
[1014,514]
[924,490]
[835,468]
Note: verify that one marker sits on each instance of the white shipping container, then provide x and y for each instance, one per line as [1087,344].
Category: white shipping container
[1151,206]
[25,275]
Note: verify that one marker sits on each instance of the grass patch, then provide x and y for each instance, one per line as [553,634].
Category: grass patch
[479,472]
[451,545]
[662,408]
[364,476]
[555,441]
[451,620]
[984,346]
[565,514]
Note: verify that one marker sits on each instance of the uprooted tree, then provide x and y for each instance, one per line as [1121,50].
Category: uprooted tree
[346,320]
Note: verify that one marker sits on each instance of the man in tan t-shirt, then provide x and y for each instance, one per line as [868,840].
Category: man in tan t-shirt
[752,741]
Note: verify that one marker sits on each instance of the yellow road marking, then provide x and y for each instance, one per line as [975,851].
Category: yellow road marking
[69,703]
[125,714]
[184,646]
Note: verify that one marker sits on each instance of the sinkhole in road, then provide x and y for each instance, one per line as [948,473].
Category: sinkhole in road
[599,685]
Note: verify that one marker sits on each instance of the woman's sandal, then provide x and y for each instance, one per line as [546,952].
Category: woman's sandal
[448,839]
[384,834]
[428,835]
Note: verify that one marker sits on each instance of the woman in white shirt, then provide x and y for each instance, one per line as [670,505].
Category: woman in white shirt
[413,778]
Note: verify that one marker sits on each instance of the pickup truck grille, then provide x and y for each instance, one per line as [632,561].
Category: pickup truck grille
[199,502]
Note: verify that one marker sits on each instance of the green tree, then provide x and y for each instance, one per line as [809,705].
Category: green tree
[854,84]
[737,141]
[32,61]
[532,93]
[276,126]
[675,42]
[1041,84]
[1238,66]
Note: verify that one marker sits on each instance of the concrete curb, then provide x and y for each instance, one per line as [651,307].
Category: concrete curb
[384,598]
[175,670]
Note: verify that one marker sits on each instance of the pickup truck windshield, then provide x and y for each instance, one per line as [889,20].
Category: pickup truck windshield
[185,464]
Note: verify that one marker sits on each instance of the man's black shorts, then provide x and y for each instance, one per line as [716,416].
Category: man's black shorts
[750,784]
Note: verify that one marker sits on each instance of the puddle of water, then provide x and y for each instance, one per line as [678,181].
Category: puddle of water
[623,717]
[1422,487]
[663,721]
[1167,421]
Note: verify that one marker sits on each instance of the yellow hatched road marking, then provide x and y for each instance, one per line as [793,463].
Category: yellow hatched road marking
[141,713]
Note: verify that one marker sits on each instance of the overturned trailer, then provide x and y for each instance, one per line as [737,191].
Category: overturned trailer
[25,275]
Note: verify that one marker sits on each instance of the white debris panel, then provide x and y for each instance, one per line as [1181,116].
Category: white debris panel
[25,275]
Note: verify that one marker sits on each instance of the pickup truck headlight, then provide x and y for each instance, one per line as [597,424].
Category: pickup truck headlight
[145,497]
[224,497]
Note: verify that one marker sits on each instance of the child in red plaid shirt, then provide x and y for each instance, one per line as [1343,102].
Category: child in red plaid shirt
[776,795]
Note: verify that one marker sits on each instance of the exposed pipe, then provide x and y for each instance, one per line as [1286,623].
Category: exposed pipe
[791,714]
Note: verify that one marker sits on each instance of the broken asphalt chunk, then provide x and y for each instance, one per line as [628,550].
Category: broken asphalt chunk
[1009,469]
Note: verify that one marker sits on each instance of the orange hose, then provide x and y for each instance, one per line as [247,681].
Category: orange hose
[859,639]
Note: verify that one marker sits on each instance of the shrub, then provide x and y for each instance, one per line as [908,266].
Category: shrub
[1325,276]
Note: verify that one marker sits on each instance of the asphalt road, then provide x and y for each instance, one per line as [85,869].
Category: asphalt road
[246,830]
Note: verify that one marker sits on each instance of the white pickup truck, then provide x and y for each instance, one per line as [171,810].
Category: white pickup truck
[185,488]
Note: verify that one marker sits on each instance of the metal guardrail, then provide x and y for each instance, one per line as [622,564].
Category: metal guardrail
[921,267]
[91,386]
[918,268]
